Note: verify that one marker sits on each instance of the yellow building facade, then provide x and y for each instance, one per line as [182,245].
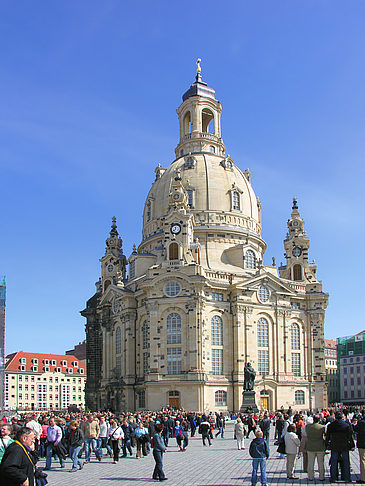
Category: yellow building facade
[197,302]
[44,382]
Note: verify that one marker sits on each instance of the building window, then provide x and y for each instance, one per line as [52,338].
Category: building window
[118,365]
[217,331]
[132,269]
[146,363]
[263,294]
[148,210]
[250,259]
[190,198]
[173,328]
[299,397]
[295,364]
[141,399]
[297,272]
[295,336]
[173,361]
[216,296]
[118,341]
[217,361]
[145,335]
[172,289]
[212,149]
[262,333]
[220,398]
[174,251]
[236,200]
[263,361]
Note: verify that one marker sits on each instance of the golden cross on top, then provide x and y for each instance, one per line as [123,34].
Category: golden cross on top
[198,69]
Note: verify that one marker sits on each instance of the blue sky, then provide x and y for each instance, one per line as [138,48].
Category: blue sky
[88,98]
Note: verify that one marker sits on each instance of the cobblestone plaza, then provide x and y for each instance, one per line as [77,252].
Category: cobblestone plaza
[219,465]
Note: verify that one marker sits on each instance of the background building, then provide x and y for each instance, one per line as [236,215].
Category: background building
[351,362]
[79,351]
[198,302]
[330,354]
[43,381]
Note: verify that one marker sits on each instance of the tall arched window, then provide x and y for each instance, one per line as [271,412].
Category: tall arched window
[295,336]
[217,331]
[250,259]
[297,272]
[174,251]
[145,335]
[207,121]
[262,333]
[236,200]
[263,345]
[173,328]
[187,123]
[118,341]
[149,210]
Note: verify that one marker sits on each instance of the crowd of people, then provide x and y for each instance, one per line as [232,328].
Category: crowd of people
[27,437]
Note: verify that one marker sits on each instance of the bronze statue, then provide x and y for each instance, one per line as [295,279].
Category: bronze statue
[250,375]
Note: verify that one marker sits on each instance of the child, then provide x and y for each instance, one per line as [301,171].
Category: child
[259,451]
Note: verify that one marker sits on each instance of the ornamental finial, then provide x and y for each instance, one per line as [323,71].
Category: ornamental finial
[198,69]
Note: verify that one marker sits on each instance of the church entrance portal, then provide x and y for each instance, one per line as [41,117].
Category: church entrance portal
[174,399]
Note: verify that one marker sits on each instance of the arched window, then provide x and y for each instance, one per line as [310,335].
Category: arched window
[217,331]
[173,328]
[262,333]
[187,123]
[212,149]
[207,121]
[299,397]
[174,251]
[118,341]
[295,364]
[236,200]
[220,398]
[148,210]
[295,336]
[297,272]
[263,342]
[250,259]
[145,335]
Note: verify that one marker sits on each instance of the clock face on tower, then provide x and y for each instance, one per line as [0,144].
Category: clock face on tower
[175,228]
[297,251]
[110,268]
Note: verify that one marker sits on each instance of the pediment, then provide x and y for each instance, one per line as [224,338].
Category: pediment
[275,284]
[111,293]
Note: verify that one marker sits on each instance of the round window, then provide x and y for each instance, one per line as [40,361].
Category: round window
[263,294]
[172,289]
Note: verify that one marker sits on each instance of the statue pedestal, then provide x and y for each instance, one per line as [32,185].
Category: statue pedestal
[249,402]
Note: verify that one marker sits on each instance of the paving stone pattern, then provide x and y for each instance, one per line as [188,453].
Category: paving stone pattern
[219,465]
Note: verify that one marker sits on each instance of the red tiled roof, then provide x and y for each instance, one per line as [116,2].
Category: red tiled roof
[330,343]
[13,362]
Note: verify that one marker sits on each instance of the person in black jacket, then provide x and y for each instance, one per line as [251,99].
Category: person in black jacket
[339,441]
[360,431]
[128,433]
[204,429]
[158,449]
[75,440]
[17,466]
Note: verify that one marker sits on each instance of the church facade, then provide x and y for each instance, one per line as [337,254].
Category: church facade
[176,323]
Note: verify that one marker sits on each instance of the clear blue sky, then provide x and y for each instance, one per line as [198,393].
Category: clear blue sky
[88,93]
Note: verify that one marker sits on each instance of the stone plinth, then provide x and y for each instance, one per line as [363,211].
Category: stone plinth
[249,402]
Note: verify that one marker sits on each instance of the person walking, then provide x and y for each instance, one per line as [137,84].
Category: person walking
[54,437]
[142,437]
[221,424]
[75,440]
[339,441]
[316,447]
[103,437]
[204,430]
[115,434]
[292,444]
[5,439]
[264,425]
[251,425]
[239,433]
[158,449]
[259,451]
[360,442]
[90,428]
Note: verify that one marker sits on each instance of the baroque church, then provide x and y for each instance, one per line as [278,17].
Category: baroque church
[176,322]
